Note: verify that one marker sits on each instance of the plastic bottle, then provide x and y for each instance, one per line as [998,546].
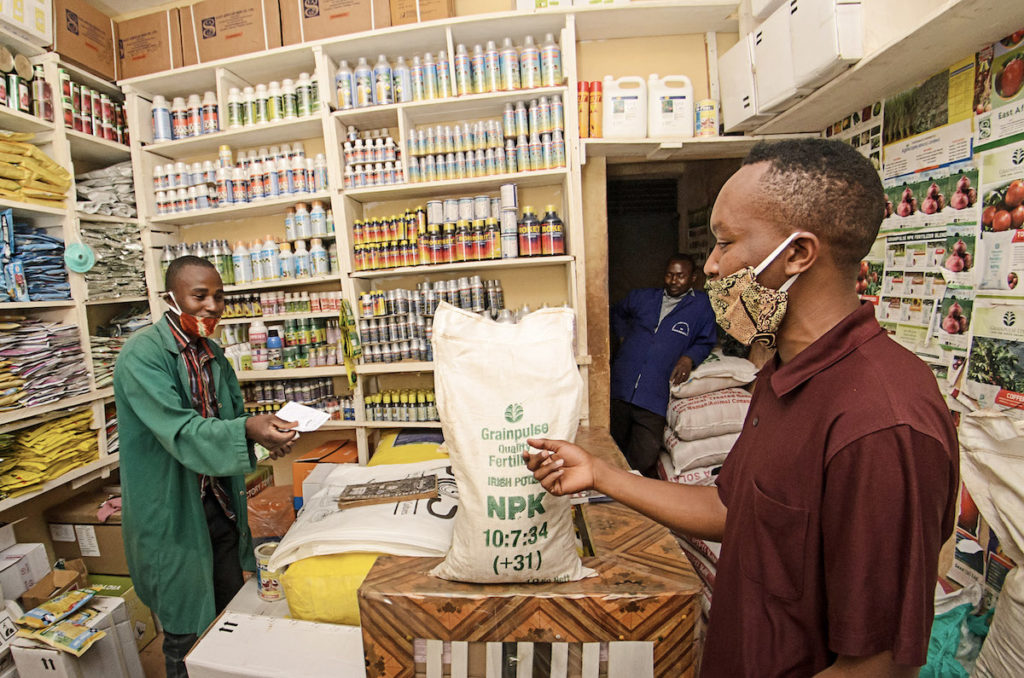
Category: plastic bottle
[552,233]
[162,130]
[529,233]
[317,220]
[429,76]
[275,358]
[669,106]
[299,175]
[256,181]
[344,85]
[289,99]
[290,232]
[363,78]
[270,259]
[508,60]
[248,106]
[320,170]
[318,258]
[382,92]
[444,75]
[287,260]
[303,222]
[241,263]
[179,118]
[463,72]
[257,334]
[492,68]
[416,77]
[275,102]
[476,62]
[303,101]
[256,260]
[529,64]
[239,186]
[211,113]
[194,115]
[262,105]
[314,95]
[302,262]
[550,62]
[166,258]
[401,81]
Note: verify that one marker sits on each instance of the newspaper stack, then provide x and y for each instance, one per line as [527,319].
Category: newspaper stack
[109,191]
[41,453]
[41,258]
[40,362]
[29,175]
[110,338]
[119,268]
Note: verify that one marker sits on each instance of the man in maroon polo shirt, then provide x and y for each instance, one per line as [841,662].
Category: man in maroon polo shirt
[835,500]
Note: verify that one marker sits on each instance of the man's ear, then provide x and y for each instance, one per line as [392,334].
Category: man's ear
[802,252]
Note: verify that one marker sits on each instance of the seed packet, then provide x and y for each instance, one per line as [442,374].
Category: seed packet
[55,609]
[71,635]
[7,233]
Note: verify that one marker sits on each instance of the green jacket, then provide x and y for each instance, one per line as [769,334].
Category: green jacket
[165,446]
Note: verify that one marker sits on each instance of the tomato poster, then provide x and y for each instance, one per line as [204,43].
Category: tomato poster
[1000,108]
[1002,220]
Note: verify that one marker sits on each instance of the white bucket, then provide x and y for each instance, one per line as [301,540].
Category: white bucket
[625,108]
[669,106]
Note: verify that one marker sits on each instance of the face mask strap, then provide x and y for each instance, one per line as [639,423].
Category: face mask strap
[775,253]
[176,311]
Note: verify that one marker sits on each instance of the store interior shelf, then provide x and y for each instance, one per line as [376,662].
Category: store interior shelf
[16,121]
[283,131]
[665,17]
[696,148]
[274,284]
[474,105]
[338,425]
[396,368]
[115,300]
[105,219]
[268,319]
[18,418]
[296,373]
[84,77]
[426,189]
[78,474]
[31,210]
[398,424]
[517,262]
[370,117]
[20,45]
[952,27]
[236,212]
[96,151]
[15,305]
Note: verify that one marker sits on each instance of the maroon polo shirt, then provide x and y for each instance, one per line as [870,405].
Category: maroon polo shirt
[840,492]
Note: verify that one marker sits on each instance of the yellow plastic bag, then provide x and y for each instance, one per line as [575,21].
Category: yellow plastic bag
[325,588]
[405,448]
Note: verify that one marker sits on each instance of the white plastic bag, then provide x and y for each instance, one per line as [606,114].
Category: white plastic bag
[718,371]
[497,385]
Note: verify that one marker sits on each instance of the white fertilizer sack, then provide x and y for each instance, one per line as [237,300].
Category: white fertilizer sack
[497,385]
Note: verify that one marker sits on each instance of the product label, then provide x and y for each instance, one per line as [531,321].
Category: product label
[87,543]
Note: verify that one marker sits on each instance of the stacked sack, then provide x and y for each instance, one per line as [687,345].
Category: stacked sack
[29,175]
[33,456]
[705,417]
[109,191]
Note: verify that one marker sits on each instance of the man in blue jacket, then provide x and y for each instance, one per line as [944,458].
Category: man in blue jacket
[664,334]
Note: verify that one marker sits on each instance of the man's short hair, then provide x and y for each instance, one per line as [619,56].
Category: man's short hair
[681,258]
[825,187]
[180,264]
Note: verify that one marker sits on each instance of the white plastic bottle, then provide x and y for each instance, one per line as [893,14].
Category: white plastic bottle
[444,75]
[179,118]
[211,113]
[529,64]
[195,115]
[242,263]
[318,258]
[262,104]
[363,77]
[317,219]
[289,100]
[248,106]
[401,81]
[508,61]
[289,224]
[162,130]
[669,106]
[287,260]
[429,77]
[303,98]
[302,261]
[275,102]
[463,72]
[492,68]
[382,84]
[271,256]
[303,221]
[344,85]
[256,260]
[550,62]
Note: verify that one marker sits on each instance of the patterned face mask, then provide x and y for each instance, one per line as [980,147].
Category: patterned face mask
[193,325]
[745,308]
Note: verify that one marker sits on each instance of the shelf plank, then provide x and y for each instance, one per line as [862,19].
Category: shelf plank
[280,318]
[517,262]
[14,419]
[435,188]
[397,424]
[16,121]
[903,62]
[370,117]
[396,368]
[108,461]
[645,19]
[115,300]
[696,148]
[96,151]
[105,219]
[241,211]
[282,131]
[297,373]
[474,105]
[84,77]
[30,210]
[291,282]
[16,305]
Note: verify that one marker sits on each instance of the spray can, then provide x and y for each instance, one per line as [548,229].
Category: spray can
[463,72]
[508,60]
[444,75]
[550,62]
[596,110]
[529,65]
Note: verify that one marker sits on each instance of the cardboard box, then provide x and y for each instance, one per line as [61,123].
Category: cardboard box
[149,44]
[332,452]
[113,656]
[140,619]
[8,629]
[77,533]
[411,11]
[21,566]
[7,538]
[218,29]
[56,582]
[226,650]
[305,20]
[258,480]
[29,19]
[85,36]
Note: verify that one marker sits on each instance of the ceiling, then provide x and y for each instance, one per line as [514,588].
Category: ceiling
[117,8]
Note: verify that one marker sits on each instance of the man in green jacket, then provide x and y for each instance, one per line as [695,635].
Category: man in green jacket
[186,444]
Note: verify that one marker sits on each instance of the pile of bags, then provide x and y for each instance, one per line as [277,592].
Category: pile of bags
[109,191]
[38,258]
[110,339]
[29,175]
[119,270]
[35,455]
[40,362]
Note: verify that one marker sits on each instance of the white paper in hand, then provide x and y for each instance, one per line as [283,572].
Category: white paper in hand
[308,418]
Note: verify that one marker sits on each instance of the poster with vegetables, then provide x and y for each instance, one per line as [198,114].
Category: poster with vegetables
[954,321]
[1000,108]
[1002,220]
[935,197]
[995,364]
[929,126]
[863,130]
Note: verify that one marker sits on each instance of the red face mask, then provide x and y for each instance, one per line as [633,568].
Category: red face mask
[193,325]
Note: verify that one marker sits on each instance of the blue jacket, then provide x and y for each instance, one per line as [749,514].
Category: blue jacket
[649,351]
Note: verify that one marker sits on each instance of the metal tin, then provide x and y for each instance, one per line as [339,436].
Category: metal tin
[509,197]
[481,207]
[706,118]
[451,210]
[465,209]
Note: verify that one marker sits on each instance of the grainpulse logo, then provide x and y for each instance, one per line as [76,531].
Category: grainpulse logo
[310,8]
[1017,157]
[1009,319]
[513,413]
[209,25]
[985,128]
[72,21]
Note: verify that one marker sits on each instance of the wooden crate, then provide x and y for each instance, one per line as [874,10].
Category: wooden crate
[645,591]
